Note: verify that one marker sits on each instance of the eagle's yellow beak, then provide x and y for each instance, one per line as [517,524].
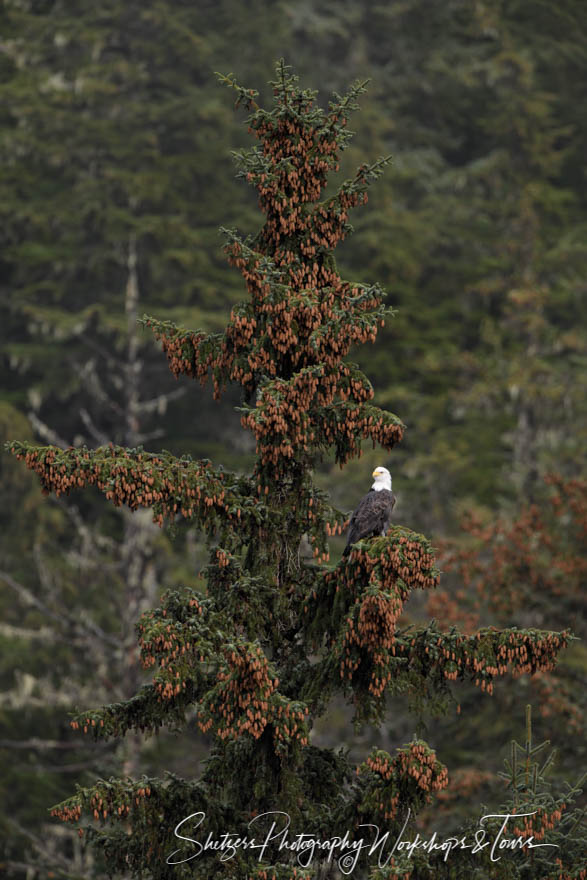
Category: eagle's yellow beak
[375,472]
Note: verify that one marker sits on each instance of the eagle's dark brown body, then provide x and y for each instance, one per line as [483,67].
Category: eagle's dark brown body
[372,517]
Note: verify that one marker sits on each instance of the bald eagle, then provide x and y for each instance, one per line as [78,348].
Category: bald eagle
[373,513]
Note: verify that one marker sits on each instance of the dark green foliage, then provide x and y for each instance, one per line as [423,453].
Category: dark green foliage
[478,234]
[257,679]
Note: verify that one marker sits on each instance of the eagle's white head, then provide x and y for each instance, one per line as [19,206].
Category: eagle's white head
[382,479]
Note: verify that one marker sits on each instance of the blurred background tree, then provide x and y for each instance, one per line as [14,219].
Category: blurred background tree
[115,144]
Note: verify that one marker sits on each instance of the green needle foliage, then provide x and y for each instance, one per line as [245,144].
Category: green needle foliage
[276,634]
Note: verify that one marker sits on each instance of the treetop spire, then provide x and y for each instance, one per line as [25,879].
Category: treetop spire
[286,344]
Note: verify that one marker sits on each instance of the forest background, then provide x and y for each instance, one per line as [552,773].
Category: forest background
[116,175]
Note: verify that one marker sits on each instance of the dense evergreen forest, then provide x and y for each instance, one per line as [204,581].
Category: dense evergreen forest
[116,145]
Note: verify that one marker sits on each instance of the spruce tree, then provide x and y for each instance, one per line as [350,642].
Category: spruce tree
[257,657]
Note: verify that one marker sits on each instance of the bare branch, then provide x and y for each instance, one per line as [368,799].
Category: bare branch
[86,628]
[91,539]
[89,373]
[46,432]
[18,632]
[28,596]
[98,435]
[159,404]
[40,745]
[90,627]
[151,435]
[133,363]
